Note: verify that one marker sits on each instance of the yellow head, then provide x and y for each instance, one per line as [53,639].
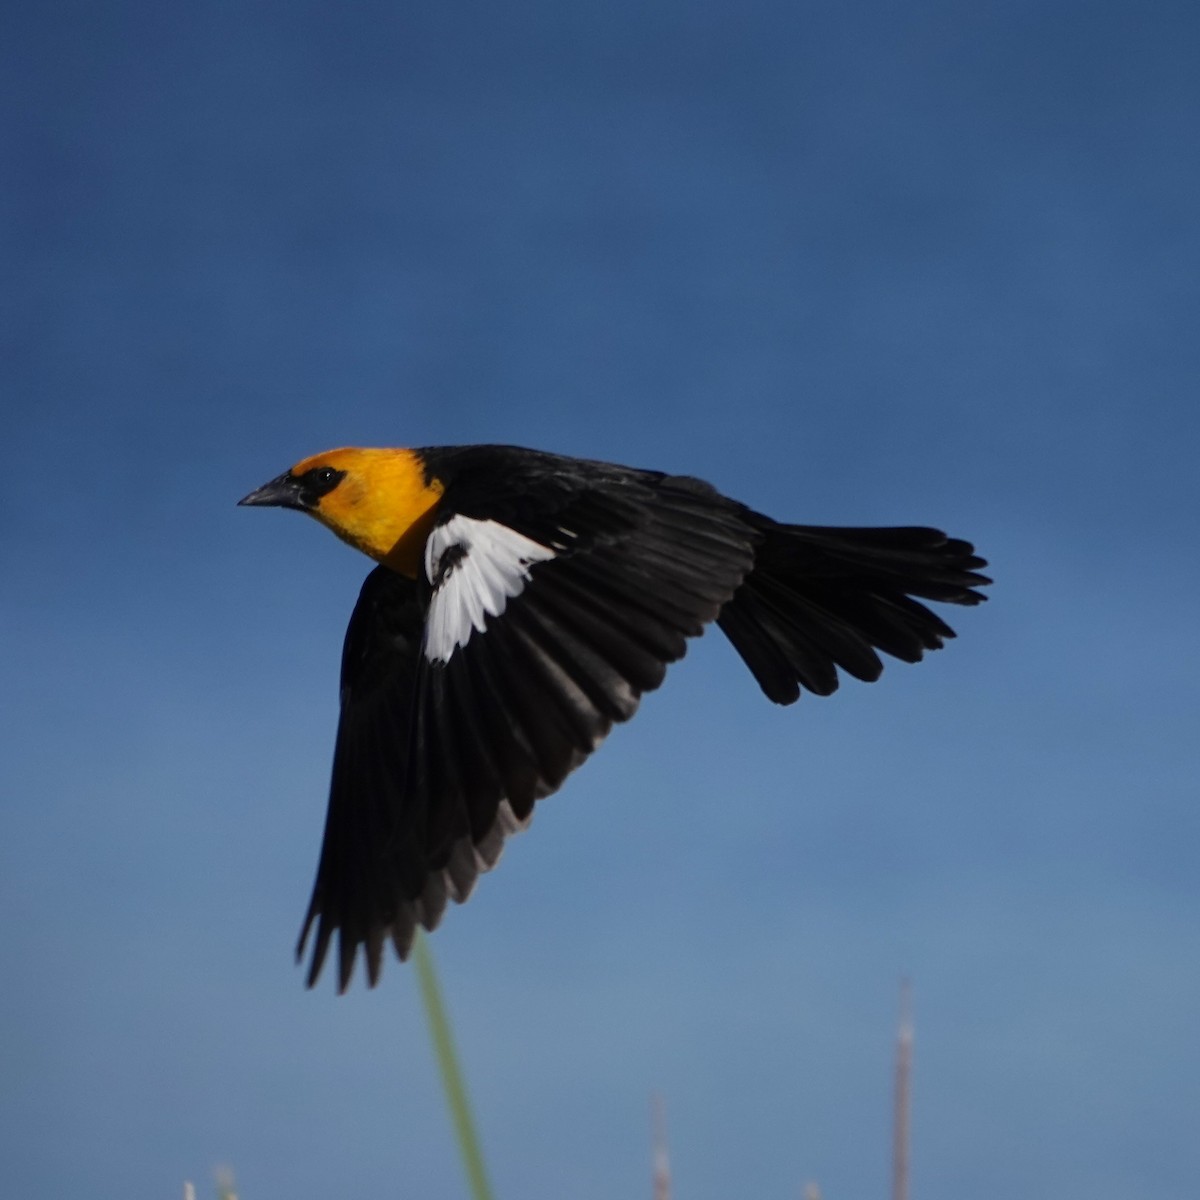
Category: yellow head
[378,500]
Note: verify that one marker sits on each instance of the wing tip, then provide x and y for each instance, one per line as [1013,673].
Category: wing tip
[455,881]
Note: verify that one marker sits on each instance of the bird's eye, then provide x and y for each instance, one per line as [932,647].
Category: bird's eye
[320,481]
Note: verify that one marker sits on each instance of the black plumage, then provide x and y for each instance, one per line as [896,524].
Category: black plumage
[443,750]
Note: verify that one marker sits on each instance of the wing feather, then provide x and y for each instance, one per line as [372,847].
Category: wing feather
[443,747]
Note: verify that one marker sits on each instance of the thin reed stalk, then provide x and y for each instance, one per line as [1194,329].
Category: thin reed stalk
[452,1079]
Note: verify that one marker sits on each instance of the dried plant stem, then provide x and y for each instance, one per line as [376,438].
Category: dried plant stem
[452,1080]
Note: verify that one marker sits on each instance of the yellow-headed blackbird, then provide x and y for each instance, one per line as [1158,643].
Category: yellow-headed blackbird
[523,602]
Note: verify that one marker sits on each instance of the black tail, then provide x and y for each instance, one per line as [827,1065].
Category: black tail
[819,598]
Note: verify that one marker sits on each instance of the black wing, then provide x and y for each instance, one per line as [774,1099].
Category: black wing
[370,862]
[471,694]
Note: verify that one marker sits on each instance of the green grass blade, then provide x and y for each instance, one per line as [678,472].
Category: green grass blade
[452,1080]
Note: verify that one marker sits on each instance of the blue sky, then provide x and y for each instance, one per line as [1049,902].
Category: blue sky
[853,264]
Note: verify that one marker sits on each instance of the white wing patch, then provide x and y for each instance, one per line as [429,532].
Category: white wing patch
[475,567]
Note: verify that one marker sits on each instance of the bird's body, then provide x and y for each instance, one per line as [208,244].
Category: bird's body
[522,604]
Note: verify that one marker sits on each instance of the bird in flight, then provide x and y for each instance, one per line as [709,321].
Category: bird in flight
[522,603]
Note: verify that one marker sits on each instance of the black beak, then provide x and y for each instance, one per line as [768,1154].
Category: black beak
[281,492]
